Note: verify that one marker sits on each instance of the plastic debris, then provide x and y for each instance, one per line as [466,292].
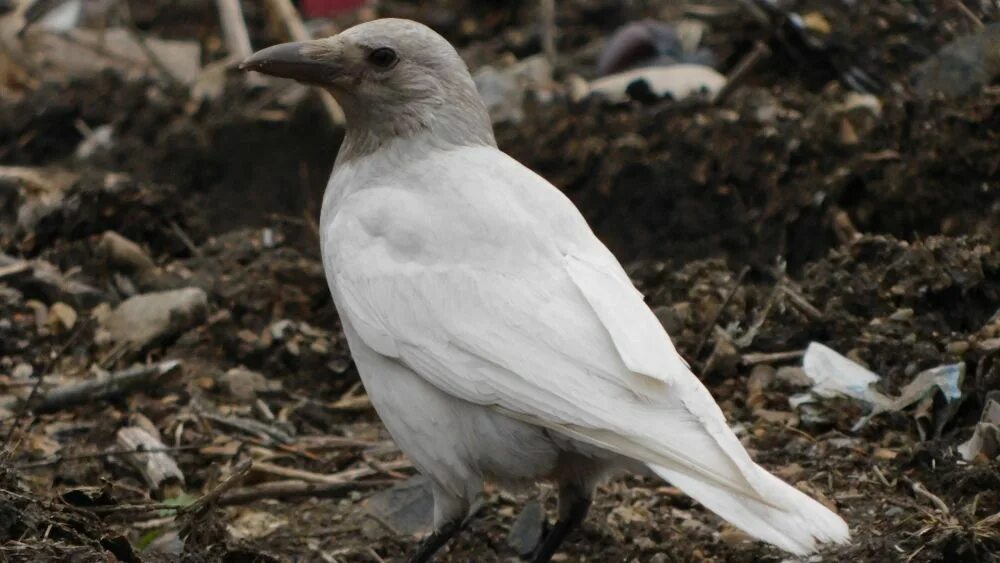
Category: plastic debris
[653,43]
[834,375]
[676,81]
[985,440]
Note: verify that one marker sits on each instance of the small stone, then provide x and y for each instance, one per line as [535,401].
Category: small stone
[62,317]
[243,384]
[526,532]
[777,417]
[23,371]
[760,379]
[793,376]
[791,473]
[884,453]
[141,320]
[733,536]
[407,508]
[123,254]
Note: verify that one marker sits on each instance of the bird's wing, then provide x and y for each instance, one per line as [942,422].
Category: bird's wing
[559,337]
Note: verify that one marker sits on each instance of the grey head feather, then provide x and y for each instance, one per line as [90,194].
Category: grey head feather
[427,92]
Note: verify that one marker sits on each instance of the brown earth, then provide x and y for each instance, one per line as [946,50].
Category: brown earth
[754,227]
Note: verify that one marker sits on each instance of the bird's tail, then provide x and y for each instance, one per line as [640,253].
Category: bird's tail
[790,519]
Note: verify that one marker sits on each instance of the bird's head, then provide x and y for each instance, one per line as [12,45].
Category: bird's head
[393,77]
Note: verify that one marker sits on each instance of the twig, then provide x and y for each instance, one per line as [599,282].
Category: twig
[881,476]
[718,313]
[297,31]
[801,303]
[742,70]
[755,358]
[38,382]
[548,31]
[234,28]
[185,239]
[295,489]
[919,489]
[119,508]
[381,467]
[341,477]
[93,455]
[969,15]
[151,55]
[755,11]
[202,504]
[157,468]
[252,427]
[332,442]
[103,388]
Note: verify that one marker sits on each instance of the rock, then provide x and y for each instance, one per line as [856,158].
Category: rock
[120,252]
[27,194]
[526,532]
[38,279]
[792,376]
[244,384]
[961,67]
[254,525]
[408,508]
[144,319]
[760,379]
[62,317]
[677,81]
[23,371]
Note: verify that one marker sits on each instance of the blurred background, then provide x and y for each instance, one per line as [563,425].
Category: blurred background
[806,191]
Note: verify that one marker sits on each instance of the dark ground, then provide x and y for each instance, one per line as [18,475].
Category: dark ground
[882,244]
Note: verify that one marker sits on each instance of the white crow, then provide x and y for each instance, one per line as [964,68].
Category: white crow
[497,337]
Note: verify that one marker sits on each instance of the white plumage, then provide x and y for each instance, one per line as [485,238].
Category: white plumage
[482,279]
[497,337]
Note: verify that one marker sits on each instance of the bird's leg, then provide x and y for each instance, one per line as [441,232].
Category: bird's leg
[436,540]
[574,502]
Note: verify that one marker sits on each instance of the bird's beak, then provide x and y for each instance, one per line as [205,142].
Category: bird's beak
[298,61]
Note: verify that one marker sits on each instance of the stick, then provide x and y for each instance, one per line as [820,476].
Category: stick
[969,15]
[297,31]
[919,489]
[93,455]
[234,29]
[295,489]
[252,427]
[718,313]
[239,472]
[105,387]
[333,478]
[156,468]
[755,358]
[38,382]
[548,32]
[742,70]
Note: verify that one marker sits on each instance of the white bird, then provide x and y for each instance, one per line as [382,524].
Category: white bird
[497,337]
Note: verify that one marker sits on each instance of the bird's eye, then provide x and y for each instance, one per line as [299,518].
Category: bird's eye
[383,57]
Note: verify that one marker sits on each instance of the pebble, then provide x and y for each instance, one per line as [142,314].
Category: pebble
[526,532]
[143,319]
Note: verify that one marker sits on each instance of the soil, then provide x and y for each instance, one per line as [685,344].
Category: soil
[753,227]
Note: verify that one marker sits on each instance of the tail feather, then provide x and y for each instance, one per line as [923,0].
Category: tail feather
[792,520]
